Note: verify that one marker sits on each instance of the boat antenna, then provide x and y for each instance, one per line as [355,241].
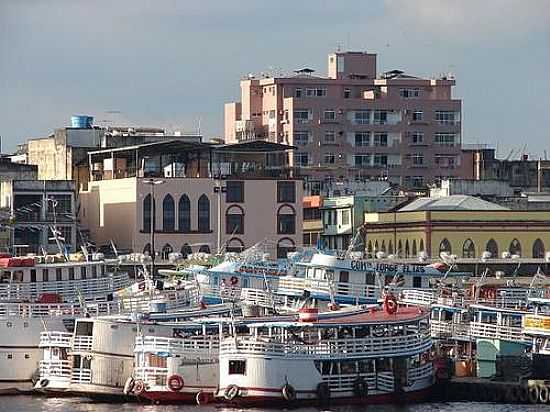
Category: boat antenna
[356,240]
[479,283]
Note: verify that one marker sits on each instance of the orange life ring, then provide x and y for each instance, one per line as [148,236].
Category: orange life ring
[139,387]
[175,383]
[390,304]
[234,280]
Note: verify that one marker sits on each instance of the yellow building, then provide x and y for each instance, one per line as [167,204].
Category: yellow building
[460,225]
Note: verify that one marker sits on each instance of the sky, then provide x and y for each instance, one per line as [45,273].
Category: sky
[174,63]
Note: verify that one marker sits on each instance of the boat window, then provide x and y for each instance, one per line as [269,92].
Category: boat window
[94,271]
[318,274]
[45,275]
[27,356]
[348,367]
[329,274]
[325,367]
[84,328]
[18,276]
[156,361]
[10,356]
[6,275]
[245,282]
[25,324]
[369,278]
[114,326]
[366,366]
[71,273]
[58,275]
[33,275]
[335,370]
[86,362]
[344,276]
[417,281]
[383,365]
[102,270]
[83,272]
[237,367]
[362,332]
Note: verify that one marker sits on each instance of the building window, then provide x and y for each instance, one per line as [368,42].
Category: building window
[362,160]
[235,191]
[345,217]
[390,247]
[330,137]
[445,246]
[380,139]
[445,117]
[515,247]
[444,139]
[380,160]
[329,115]
[319,92]
[235,245]
[302,116]
[380,117]
[166,250]
[414,250]
[417,159]
[301,159]
[286,192]
[168,214]
[272,114]
[329,158]
[284,246]
[301,138]
[492,248]
[347,93]
[409,93]
[286,220]
[362,117]
[204,249]
[417,137]
[204,214]
[184,214]
[362,139]
[468,249]
[445,161]
[234,221]
[538,249]
[418,116]
[147,214]
[237,367]
[63,205]
[298,92]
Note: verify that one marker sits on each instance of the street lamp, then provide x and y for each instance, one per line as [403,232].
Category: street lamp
[152,182]
[219,189]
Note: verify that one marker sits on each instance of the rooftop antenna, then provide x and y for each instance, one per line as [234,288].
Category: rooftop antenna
[199,126]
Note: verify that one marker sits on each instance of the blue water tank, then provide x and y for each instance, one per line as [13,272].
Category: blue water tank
[82,122]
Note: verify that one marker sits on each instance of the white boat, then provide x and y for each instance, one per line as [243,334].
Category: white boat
[352,356]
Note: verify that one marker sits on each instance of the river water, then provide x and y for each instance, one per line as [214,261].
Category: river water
[36,404]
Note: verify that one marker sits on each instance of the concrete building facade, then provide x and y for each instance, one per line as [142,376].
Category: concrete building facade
[353,123]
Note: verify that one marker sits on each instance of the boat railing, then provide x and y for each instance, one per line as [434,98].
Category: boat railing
[55,339]
[449,329]
[417,297]
[81,376]
[260,297]
[180,346]
[55,368]
[349,348]
[502,332]
[295,285]
[65,288]
[420,372]
[382,381]
[151,376]
[82,343]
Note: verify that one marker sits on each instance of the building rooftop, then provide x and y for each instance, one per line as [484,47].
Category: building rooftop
[450,203]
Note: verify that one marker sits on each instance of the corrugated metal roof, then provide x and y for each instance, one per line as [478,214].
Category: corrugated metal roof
[454,202]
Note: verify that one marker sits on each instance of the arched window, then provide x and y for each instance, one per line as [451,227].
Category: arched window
[235,245]
[445,246]
[407,249]
[286,220]
[147,214]
[414,251]
[376,246]
[204,249]
[421,246]
[369,249]
[204,214]
[399,248]
[147,249]
[468,249]
[492,248]
[168,214]
[383,247]
[515,247]
[184,214]
[538,249]
[390,248]
[234,220]
[186,250]
[284,246]
[166,250]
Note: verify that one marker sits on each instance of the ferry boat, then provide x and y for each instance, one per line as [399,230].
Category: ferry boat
[536,326]
[351,356]
[47,296]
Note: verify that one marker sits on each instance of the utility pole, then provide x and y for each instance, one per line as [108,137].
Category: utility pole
[152,182]
[219,189]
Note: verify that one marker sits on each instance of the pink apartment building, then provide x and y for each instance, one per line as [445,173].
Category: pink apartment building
[353,123]
[233,195]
